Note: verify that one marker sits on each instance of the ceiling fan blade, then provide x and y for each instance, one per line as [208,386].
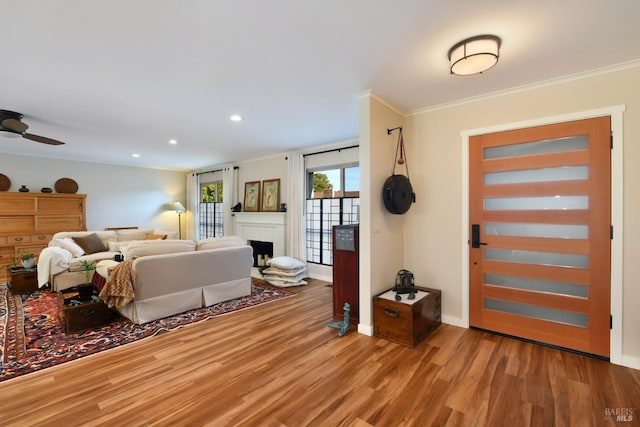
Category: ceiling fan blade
[15,125]
[42,139]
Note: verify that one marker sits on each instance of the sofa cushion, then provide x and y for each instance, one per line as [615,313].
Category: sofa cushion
[68,244]
[105,236]
[90,243]
[220,242]
[116,246]
[128,235]
[155,236]
[139,248]
[171,235]
[76,263]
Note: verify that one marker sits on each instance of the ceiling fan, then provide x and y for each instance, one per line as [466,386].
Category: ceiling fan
[11,122]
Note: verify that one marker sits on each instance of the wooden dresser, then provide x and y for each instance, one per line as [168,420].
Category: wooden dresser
[28,220]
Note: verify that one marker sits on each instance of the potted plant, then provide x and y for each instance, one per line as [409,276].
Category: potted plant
[28,261]
[85,291]
[88,267]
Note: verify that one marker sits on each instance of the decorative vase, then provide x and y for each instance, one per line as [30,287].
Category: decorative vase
[46,190]
[23,189]
[29,263]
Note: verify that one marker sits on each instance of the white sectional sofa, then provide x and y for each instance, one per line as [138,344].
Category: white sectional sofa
[169,276]
[61,267]
[173,283]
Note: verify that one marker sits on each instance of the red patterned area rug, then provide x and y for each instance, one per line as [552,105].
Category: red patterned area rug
[31,338]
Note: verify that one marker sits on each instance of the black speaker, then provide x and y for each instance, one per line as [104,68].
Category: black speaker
[398,194]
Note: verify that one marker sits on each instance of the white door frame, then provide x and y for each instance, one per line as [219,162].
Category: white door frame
[616,113]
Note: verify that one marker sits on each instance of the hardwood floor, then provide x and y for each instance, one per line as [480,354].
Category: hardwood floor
[280,365]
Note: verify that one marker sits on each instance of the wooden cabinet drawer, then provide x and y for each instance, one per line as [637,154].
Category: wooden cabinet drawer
[19,240]
[31,249]
[3,240]
[18,204]
[55,223]
[41,239]
[61,204]
[7,256]
[17,224]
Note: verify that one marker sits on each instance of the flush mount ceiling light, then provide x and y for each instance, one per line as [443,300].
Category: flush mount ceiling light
[235,118]
[474,55]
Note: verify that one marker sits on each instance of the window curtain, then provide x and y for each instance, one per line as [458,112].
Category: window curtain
[193,206]
[228,189]
[296,226]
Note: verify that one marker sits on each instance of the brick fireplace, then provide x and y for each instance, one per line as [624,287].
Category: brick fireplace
[262,227]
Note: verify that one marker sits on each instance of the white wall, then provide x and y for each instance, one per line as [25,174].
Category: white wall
[433,231]
[117,196]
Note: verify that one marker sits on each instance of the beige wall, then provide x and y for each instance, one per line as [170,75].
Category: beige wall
[433,227]
[263,169]
[381,233]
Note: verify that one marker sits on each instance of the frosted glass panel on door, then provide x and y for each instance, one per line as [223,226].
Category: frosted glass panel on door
[559,316]
[565,173]
[538,147]
[536,257]
[538,285]
[537,203]
[557,231]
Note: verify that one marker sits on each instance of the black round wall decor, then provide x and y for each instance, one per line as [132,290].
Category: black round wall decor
[397,194]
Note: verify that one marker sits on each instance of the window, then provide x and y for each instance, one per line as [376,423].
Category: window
[211,208]
[333,198]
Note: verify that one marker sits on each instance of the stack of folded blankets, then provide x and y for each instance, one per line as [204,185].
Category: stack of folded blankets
[285,271]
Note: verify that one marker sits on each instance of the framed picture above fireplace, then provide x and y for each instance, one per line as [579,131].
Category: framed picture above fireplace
[271,195]
[252,196]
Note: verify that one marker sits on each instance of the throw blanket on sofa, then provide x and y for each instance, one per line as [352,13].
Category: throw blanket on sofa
[52,260]
[118,291]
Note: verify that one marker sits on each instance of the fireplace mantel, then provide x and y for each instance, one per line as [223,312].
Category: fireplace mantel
[263,226]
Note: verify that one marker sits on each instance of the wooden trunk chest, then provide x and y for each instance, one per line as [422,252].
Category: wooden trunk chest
[406,322]
[86,315]
[23,280]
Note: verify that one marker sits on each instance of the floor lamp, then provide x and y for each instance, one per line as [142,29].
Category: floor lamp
[179,208]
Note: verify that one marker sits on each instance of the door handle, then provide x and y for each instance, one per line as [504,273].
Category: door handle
[475,236]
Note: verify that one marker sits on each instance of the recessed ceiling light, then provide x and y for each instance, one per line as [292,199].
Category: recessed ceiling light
[173,141]
[235,118]
[136,155]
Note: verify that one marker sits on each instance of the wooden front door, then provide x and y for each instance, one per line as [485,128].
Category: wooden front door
[540,224]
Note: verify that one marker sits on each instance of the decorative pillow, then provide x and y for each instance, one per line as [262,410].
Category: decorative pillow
[68,244]
[116,246]
[131,234]
[141,248]
[171,235]
[220,242]
[286,262]
[155,236]
[90,244]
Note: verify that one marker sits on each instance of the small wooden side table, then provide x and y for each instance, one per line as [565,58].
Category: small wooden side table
[406,322]
[23,280]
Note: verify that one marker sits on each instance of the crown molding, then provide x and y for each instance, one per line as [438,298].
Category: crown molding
[531,86]
[371,94]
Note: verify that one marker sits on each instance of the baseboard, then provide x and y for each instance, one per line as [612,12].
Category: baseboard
[630,362]
[455,321]
[365,329]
